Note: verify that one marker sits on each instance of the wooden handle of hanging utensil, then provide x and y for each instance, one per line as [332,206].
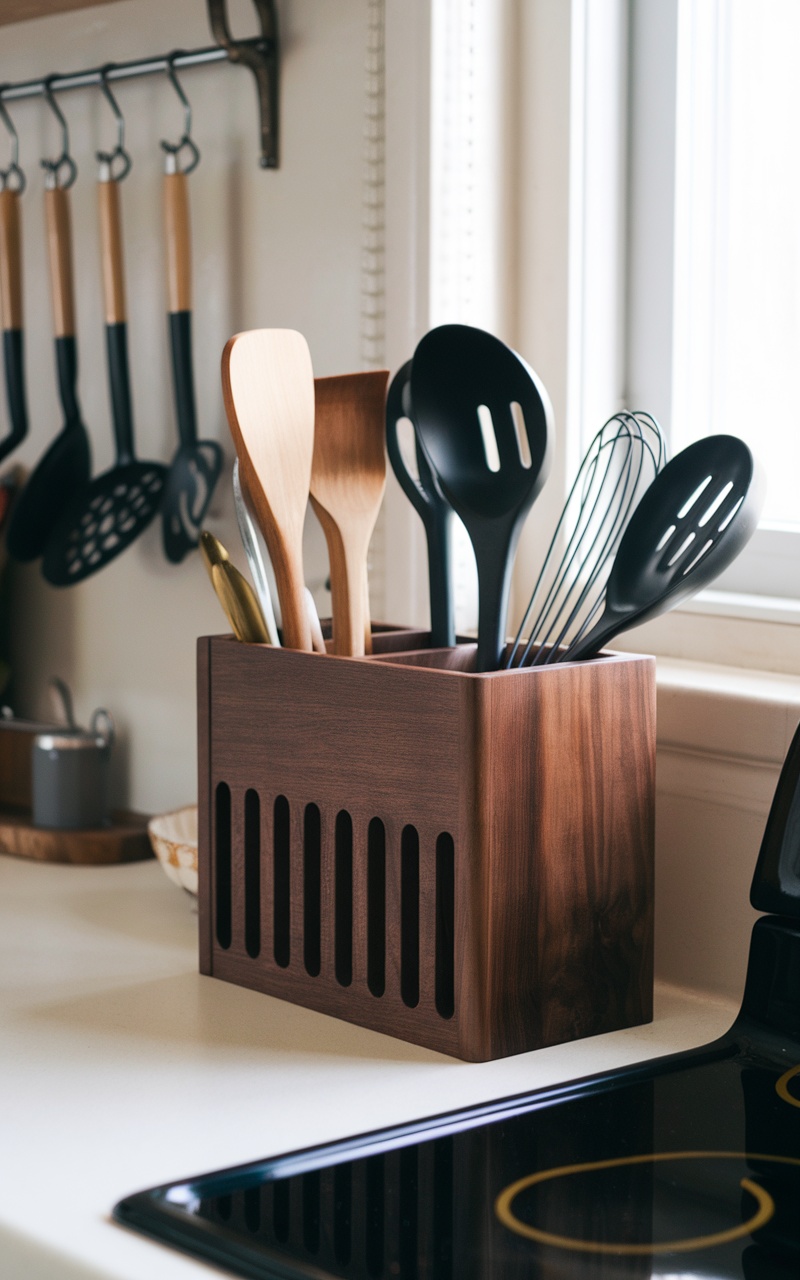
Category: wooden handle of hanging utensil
[178,242]
[10,261]
[111,251]
[59,249]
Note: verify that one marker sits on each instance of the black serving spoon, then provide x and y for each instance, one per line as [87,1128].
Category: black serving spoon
[64,468]
[118,505]
[432,507]
[691,523]
[11,311]
[197,464]
[484,420]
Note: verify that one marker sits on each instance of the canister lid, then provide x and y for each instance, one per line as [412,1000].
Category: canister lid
[69,741]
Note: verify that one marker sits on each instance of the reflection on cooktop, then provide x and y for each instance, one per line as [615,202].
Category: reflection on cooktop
[687,1166]
[691,1169]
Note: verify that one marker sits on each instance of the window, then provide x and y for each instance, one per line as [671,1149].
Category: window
[714,319]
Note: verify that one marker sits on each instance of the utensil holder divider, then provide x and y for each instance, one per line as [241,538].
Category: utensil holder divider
[464,861]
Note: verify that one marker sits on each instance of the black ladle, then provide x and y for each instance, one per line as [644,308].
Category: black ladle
[691,524]
[432,507]
[464,386]
[64,468]
[197,464]
[116,506]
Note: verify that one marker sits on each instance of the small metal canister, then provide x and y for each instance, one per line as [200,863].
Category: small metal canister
[70,775]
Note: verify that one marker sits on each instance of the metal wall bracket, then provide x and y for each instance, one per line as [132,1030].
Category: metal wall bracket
[261,56]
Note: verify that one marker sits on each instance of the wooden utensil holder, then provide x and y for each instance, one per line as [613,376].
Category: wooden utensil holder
[464,861]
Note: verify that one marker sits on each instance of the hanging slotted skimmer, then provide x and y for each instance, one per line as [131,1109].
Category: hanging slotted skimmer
[119,504]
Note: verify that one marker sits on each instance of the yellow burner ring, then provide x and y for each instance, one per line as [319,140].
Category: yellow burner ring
[764,1201]
[782,1086]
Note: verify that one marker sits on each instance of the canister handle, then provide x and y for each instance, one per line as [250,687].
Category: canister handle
[102,726]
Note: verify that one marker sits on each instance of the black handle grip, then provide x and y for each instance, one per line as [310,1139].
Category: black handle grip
[120,386]
[67,371]
[13,355]
[433,509]
[180,337]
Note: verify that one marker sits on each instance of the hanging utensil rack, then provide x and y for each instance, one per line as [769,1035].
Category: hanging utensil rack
[259,54]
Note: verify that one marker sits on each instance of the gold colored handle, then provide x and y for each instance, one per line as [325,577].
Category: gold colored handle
[59,249]
[111,252]
[10,261]
[178,242]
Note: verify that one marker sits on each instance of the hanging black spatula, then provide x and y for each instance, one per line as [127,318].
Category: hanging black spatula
[11,311]
[691,524]
[197,464]
[119,504]
[63,470]
[484,420]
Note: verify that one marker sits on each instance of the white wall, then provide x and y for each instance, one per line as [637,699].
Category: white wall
[271,248]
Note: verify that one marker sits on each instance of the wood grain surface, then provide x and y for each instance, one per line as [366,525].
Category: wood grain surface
[544,780]
[10,261]
[59,250]
[268,389]
[348,479]
[177,240]
[124,840]
[111,252]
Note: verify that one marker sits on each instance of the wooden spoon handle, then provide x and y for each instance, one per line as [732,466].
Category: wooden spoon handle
[10,261]
[352,634]
[178,242]
[59,248]
[111,250]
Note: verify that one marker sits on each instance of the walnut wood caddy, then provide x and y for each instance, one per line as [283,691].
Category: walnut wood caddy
[464,861]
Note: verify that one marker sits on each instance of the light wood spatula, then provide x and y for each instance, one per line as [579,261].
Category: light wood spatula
[268,387]
[348,477]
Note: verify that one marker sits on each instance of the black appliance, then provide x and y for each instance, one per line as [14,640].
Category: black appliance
[686,1166]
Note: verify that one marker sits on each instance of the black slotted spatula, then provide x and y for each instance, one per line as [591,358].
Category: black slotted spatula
[690,524]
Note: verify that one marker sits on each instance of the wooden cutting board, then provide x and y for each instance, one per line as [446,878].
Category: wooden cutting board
[124,840]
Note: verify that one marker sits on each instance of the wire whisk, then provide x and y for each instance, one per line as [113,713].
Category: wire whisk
[623,459]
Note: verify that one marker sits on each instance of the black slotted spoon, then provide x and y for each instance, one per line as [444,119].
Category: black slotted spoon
[118,505]
[691,523]
[465,388]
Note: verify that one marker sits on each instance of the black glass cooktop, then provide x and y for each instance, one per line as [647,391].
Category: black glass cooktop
[684,1167]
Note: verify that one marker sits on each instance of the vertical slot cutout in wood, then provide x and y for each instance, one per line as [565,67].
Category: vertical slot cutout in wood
[376,907]
[445,925]
[252,873]
[222,863]
[312,901]
[281,854]
[409,916]
[374,1215]
[342,1213]
[343,910]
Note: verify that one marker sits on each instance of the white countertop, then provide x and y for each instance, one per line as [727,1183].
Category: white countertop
[121,1067]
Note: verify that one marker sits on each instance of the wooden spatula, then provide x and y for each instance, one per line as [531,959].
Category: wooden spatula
[268,387]
[348,477]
